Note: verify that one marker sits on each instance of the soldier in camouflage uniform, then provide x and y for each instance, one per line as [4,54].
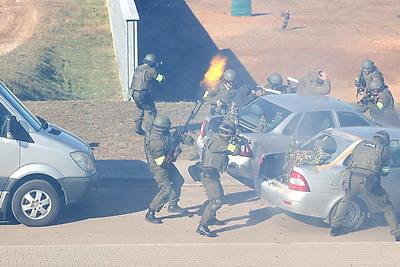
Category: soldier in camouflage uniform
[221,95]
[380,104]
[285,19]
[314,82]
[215,160]
[157,145]
[369,160]
[140,91]
[275,82]
[368,73]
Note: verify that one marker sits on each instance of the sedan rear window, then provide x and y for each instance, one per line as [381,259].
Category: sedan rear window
[261,116]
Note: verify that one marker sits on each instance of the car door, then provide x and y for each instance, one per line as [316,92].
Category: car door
[9,150]
[391,183]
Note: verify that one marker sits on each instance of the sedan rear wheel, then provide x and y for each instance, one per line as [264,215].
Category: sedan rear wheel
[35,203]
[355,214]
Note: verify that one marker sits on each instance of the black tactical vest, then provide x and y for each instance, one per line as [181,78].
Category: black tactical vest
[367,156]
[140,80]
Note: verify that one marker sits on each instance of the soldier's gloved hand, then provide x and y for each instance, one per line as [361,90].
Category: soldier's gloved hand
[361,108]
[370,105]
[356,82]
[178,151]
[233,140]
[187,139]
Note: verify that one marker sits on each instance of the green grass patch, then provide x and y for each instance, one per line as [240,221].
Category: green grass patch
[69,57]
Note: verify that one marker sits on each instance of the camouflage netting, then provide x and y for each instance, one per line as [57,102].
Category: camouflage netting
[297,157]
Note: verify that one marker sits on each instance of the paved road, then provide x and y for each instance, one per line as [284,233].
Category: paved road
[109,230]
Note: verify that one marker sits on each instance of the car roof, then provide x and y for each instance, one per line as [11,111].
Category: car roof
[366,132]
[299,103]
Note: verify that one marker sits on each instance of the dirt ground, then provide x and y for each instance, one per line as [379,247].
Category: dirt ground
[18,19]
[331,35]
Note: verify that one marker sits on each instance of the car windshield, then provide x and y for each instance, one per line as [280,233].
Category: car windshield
[16,103]
[261,116]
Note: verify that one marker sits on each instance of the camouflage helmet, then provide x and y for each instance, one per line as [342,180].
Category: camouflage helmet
[161,123]
[367,64]
[150,58]
[383,135]
[229,75]
[227,127]
[275,78]
[375,84]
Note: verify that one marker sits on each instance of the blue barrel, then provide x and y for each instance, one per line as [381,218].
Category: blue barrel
[241,8]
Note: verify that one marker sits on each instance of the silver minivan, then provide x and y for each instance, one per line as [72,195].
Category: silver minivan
[42,166]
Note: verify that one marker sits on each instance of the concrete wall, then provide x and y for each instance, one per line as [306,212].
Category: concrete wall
[123,20]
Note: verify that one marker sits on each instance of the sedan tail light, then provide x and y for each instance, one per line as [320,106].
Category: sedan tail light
[298,182]
[245,151]
[203,126]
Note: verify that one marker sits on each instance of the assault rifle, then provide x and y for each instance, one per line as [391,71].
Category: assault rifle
[369,97]
[360,84]
[179,135]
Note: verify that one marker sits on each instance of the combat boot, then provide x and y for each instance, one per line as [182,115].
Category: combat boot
[151,218]
[215,221]
[397,238]
[174,208]
[336,231]
[203,230]
[140,131]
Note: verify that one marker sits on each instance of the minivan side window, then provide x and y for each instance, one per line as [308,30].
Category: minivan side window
[314,122]
[4,114]
[347,119]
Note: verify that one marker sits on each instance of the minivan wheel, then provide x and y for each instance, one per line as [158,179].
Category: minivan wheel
[355,214]
[35,203]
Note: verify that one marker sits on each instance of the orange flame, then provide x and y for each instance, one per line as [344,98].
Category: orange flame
[214,72]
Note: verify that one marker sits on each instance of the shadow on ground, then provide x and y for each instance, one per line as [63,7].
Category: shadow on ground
[119,199]
[172,32]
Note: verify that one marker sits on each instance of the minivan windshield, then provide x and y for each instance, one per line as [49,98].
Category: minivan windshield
[262,116]
[21,109]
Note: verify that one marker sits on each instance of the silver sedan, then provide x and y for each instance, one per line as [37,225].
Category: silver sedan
[270,122]
[314,190]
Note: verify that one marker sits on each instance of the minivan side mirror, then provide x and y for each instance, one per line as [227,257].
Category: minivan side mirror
[15,131]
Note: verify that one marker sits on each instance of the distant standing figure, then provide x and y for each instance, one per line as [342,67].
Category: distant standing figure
[285,19]
[140,91]
[314,82]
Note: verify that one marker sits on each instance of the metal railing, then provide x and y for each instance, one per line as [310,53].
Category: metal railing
[123,21]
